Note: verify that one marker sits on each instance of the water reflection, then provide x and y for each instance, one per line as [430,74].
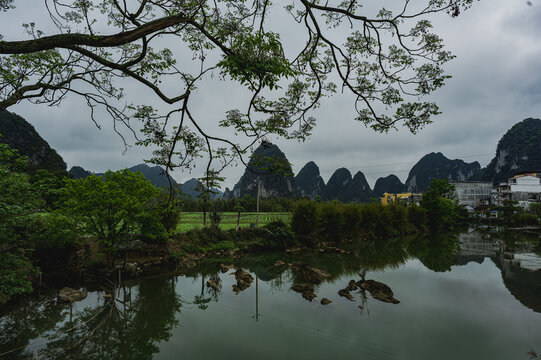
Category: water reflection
[102,328]
[145,315]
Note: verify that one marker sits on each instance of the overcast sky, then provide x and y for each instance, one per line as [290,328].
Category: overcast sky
[496,83]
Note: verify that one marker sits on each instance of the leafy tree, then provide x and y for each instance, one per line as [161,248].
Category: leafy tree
[206,188]
[387,59]
[18,202]
[48,184]
[112,207]
[441,211]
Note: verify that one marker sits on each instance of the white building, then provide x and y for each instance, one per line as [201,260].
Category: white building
[473,193]
[524,188]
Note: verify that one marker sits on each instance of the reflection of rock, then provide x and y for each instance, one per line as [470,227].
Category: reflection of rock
[345,293]
[226,268]
[244,280]
[212,284]
[307,291]
[71,295]
[325,301]
[379,291]
[310,273]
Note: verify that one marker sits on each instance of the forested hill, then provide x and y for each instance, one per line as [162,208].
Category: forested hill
[270,165]
[436,165]
[518,150]
[21,135]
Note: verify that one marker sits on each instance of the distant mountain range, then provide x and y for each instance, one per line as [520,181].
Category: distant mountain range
[518,150]
[157,177]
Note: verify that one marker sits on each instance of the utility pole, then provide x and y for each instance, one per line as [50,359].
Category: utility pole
[257,203]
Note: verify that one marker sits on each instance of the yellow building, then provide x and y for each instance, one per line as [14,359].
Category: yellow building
[402,197]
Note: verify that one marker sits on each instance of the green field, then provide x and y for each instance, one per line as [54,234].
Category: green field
[193,220]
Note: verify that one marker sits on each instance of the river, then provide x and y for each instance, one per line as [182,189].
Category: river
[470,296]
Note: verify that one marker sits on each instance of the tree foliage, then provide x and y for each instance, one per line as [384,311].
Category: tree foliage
[113,207]
[441,211]
[18,202]
[387,58]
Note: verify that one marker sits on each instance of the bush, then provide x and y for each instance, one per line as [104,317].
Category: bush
[304,221]
[351,225]
[330,221]
[396,219]
[278,235]
[417,217]
[15,274]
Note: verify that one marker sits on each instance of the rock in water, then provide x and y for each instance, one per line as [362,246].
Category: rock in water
[307,291]
[352,285]
[310,273]
[212,284]
[226,268]
[345,293]
[325,301]
[71,295]
[379,291]
[244,280]
[300,288]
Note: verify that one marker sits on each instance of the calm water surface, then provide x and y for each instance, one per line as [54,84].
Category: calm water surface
[458,300]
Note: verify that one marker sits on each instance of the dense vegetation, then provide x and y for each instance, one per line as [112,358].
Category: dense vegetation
[46,218]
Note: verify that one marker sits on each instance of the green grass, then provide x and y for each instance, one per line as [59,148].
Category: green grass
[194,220]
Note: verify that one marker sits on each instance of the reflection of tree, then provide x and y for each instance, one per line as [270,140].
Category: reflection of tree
[214,293]
[23,322]
[201,300]
[438,253]
[126,329]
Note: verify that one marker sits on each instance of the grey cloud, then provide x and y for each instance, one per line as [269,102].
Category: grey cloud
[496,83]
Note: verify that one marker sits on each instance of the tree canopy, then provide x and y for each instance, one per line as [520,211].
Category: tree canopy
[388,59]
